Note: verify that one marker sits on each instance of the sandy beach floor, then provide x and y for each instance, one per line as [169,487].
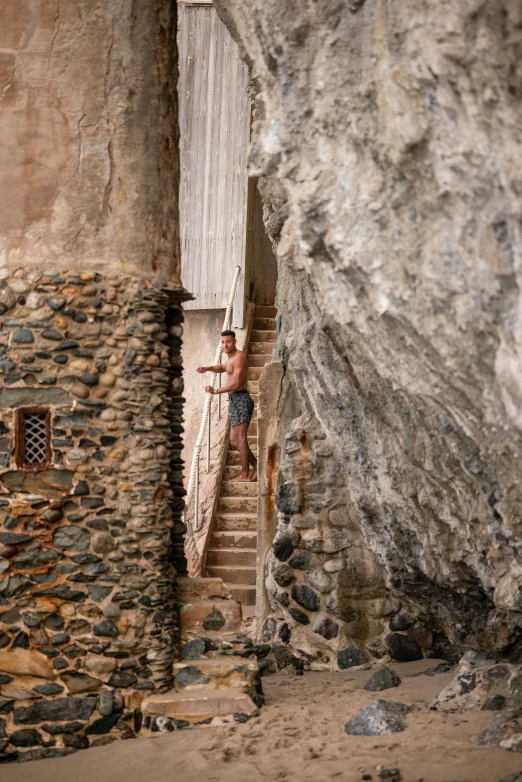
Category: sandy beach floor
[299,735]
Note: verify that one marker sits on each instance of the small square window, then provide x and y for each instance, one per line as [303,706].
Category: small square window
[33,447]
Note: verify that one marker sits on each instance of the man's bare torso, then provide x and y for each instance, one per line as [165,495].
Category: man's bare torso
[237,365]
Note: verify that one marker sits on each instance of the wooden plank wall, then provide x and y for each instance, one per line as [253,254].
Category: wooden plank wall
[214,129]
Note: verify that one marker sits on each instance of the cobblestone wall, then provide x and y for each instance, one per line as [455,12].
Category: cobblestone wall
[326,589]
[87,618]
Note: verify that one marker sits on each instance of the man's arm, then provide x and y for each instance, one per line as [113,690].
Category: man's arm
[219,368]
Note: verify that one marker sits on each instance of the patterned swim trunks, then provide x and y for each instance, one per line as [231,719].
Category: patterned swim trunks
[240,408]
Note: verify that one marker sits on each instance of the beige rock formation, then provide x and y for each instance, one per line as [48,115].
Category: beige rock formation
[387,139]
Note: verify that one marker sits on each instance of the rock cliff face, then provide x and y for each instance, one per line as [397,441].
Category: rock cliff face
[387,142]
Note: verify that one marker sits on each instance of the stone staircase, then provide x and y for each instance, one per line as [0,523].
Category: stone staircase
[217,679]
[233,545]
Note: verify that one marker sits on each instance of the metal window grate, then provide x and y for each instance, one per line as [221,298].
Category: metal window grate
[35,438]
[33,448]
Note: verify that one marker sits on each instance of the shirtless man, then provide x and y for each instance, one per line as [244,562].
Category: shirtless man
[240,403]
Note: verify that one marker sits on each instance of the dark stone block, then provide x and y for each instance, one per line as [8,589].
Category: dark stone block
[11,617]
[283,575]
[26,397]
[306,598]
[351,656]
[52,334]
[59,639]
[49,688]
[99,593]
[35,556]
[402,648]
[496,703]
[27,737]
[284,633]
[299,616]
[81,489]
[45,752]
[102,725]
[64,592]
[69,727]
[106,629]
[92,502]
[21,641]
[382,679]
[56,302]
[283,548]
[70,538]
[379,718]
[57,710]
[7,365]
[289,498]
[89,379]
[67,345]
[23,337]
[327,628]
[189,676]
[79,317]
[16,585]
[54,622]
[214,621]
[14,539]
[123,679]
[304,560]
[72,652]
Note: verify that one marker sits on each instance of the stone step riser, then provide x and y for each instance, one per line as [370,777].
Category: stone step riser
[236,523]
[215,673]
[235,540]
[261,348]
[259,360]
[267,335]
[238,489]
[241,576]
[231,558]
[254,373]
[200,588]
[197,707]
[264,324]
[210,615]
[265,311]
[237,504]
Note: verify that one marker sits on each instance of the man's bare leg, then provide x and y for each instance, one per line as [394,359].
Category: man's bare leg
[238,437]
[253,461]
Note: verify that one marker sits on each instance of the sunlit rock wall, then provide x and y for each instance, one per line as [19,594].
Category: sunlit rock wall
[387,139]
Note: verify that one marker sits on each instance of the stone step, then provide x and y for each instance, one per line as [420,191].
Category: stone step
[253,386]
[244,594]
[208,615]
[261,348]
[200,588]
[238,489]
[252,440]
[237,505]
[254,373]
[265,311]
[265,335]
[260,324]
[233,540]
[231,470]
[234,575]
[236,557]
[236,522]
[252,429]
[259,360]
[233,457]
[215,673]
[209,645]
[194,706]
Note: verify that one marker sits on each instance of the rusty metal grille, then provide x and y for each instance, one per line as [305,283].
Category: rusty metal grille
[35,438]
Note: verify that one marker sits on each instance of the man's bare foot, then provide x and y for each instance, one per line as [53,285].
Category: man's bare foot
[254,475]
[242,478]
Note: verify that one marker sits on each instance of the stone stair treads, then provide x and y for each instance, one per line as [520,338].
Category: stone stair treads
[193,707]
[215,673]
[233,544]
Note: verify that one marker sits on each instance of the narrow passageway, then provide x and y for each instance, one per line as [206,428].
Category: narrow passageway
[233,544]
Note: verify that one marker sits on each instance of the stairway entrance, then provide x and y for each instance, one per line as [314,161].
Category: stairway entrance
[233,545]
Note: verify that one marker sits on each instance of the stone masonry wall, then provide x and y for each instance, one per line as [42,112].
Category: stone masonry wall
[87,619]
[326,589]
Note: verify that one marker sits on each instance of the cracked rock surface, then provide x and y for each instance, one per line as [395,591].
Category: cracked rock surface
[387,142]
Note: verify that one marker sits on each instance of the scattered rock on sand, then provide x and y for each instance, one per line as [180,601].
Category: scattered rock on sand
[382,679]
[378,719]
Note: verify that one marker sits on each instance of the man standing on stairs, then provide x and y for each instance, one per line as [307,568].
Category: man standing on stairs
[240,403]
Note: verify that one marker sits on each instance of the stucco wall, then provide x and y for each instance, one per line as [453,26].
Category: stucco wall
[88,136]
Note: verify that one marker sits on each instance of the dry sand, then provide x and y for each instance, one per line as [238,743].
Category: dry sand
[299,735]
